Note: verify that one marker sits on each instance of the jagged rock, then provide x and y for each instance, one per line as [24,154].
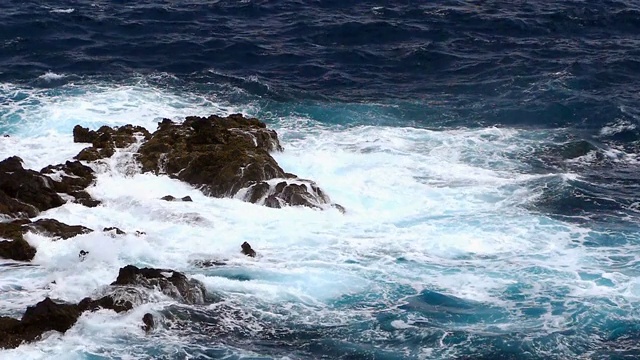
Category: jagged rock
[83,254]
[54,228]
[115,230]
[170,282]
[106,139]
[83,198]
[25,188]
[247,250]
[223,155]
[17,248]
[48,315]
[148,321]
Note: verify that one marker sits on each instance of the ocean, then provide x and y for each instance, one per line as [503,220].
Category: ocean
[486,153]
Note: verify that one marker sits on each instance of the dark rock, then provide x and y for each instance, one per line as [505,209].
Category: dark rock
[247,250]
[27,187]
[106,302]
[106,139]
[339,208]
[173,198]
[17,248]
[83,254]
[272,202]
[74,176]
[148,321]
[83,198]
[170,282]
[13,207]
[54,228]
[38,319]
[221,156]
[6,135]
[114,229]
[140,233]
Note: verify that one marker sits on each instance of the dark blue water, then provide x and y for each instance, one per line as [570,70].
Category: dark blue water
[566,71]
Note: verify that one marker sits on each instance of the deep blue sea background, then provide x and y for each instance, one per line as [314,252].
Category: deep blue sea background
[566,73]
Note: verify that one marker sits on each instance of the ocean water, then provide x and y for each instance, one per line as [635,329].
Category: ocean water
[486,153]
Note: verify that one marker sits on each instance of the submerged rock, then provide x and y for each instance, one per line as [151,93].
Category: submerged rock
[225,156]
[148,321]
[247,250]
[170,282]
[173,198]
[114,230]
[25,192]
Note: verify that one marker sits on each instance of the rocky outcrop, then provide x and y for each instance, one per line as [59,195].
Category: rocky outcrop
[105,140]
[25,192]
[226,157]
[72,178]
[56,229]
[172,283]
[17,248]
[48,315]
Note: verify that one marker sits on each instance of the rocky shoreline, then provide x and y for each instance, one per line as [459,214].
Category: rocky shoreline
[221,156]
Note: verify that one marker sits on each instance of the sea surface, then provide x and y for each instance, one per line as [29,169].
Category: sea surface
[487,153]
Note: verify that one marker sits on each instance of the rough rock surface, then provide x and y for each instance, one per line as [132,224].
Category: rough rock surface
[173,198]
[105,140]
[72,178]
[172,283]
[25,192]
[56,229]
[247,250]
[227,156]
[17,248]
[48,315]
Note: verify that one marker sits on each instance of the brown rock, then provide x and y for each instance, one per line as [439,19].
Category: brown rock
[247,250]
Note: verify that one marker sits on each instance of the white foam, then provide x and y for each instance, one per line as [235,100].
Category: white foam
[425,210]
[63,11]
[50,76]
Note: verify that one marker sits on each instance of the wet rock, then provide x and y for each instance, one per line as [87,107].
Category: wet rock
[223,155]
[173,198]
[22,188]
[148,321]
[170,282]
[105,302]
[247,250]
[105,140]
[17,248]
[56,229]
[140,233]
[115,230]
[82,255]
[38,319]
[83,198]
[208,263]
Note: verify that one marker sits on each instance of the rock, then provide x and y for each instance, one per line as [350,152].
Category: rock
[17,248]
[173,198]
[149,324]
[105,302]
[247,250]
[6,135]
[106,139]
[83,198]
[140,233]
[172,283]
[13,207]
[72,175]
[38,319]
[83,254]
[56,229]
[27,187]
[114,230]
[48,315]
[223,155]
[208,263]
